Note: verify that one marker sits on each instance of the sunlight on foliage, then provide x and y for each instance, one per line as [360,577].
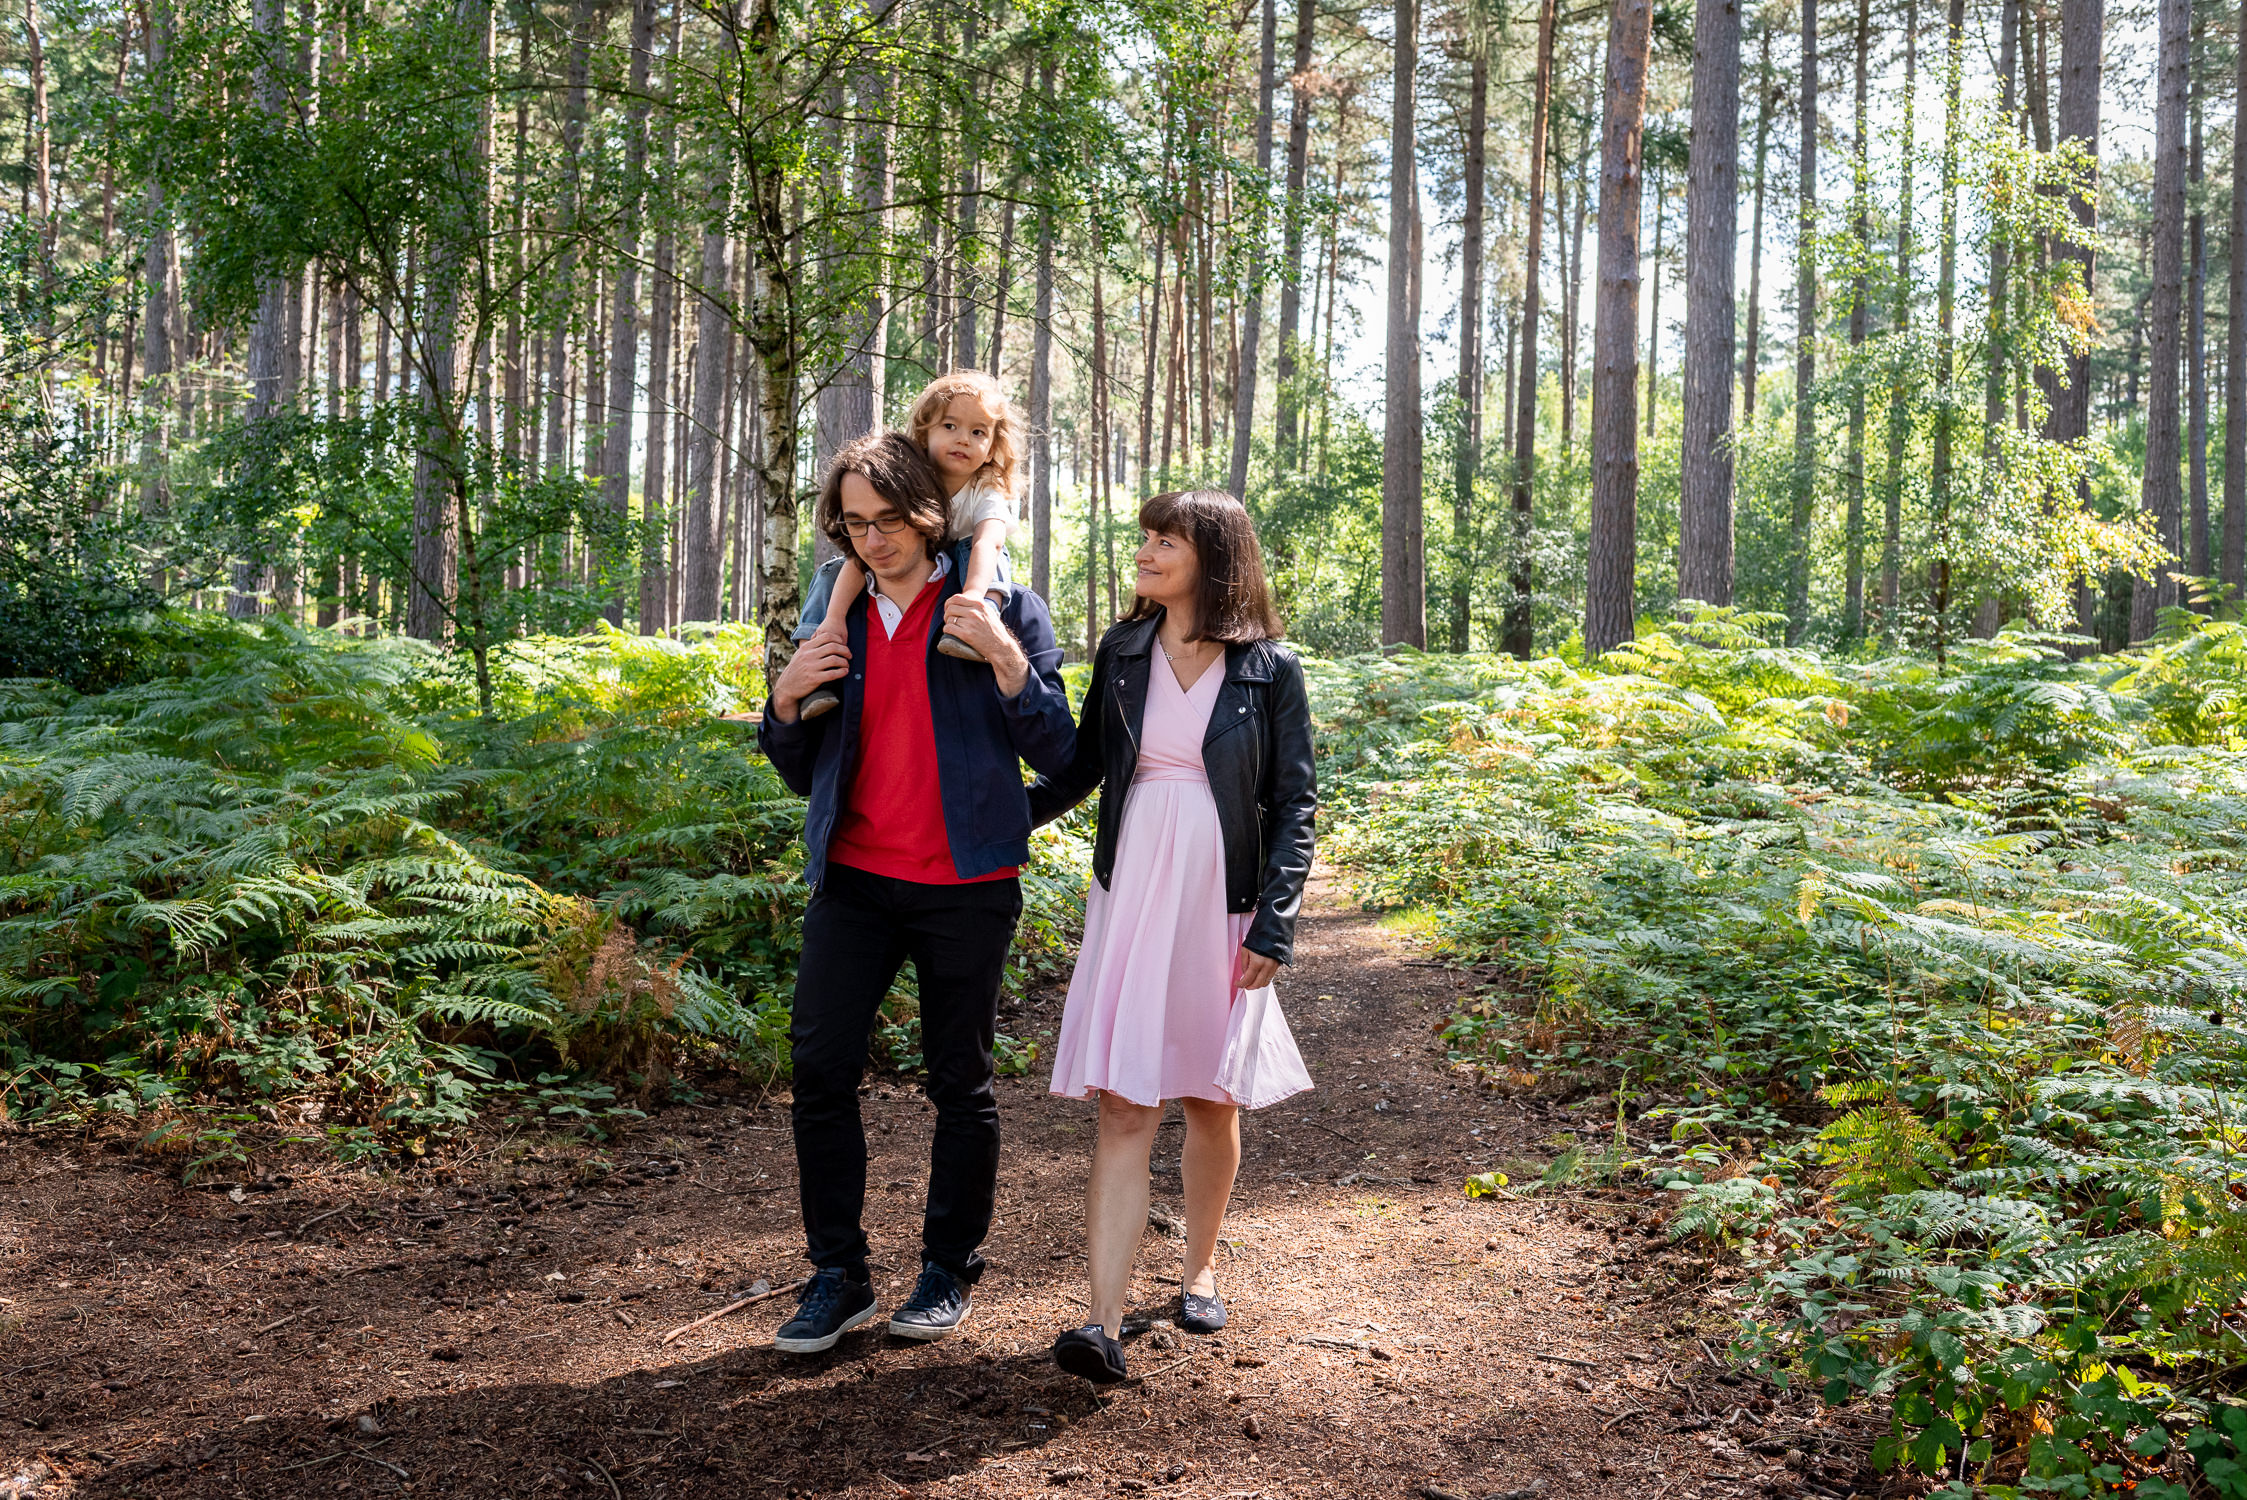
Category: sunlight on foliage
[1935,976]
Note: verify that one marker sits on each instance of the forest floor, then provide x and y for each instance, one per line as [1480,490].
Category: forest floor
[492,1322]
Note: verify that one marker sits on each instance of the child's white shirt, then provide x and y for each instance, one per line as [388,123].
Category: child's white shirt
[974,504]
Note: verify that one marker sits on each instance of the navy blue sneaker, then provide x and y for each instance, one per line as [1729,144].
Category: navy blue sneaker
[938,1305]
[833,1305]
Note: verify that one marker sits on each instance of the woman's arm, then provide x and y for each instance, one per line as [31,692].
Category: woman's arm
[1288,816]
[1051,796]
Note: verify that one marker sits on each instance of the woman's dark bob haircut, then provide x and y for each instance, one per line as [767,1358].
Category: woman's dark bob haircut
[900,473]
[1233,603]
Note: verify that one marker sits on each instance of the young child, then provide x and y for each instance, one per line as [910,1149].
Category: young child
[973,434]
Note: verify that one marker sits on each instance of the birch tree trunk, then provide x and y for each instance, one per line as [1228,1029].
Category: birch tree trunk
[2158,494]
[1610,591]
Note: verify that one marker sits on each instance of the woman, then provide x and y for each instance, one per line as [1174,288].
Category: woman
[1198,734]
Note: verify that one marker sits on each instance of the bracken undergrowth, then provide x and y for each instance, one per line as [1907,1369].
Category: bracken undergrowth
[1920,989]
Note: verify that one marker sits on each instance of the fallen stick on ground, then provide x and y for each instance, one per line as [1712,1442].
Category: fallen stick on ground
[278,1322]
[1562,1359]
[731,1307]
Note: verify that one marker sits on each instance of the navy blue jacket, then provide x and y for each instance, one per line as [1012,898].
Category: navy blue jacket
[981,738]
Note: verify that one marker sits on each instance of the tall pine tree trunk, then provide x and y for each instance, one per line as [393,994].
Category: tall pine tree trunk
[1041,390]
[266,355]
[702,564]
[2082,38]
[1712,248]
[1403,608]
[574,104]
[1610,593]
[656,573]
[1467,461]
[1806,337]
[1520,618]
[1860,317]
[1899,409]
[157,330]
[2233,564]
[2158,493]
[624,309]
[1286,409]
[1252,318]
[1751,353]
[2196,360]
[1946,306]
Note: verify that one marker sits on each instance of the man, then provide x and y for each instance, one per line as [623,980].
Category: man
[917,824]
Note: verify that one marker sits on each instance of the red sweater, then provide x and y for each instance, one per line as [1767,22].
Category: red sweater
[892,819]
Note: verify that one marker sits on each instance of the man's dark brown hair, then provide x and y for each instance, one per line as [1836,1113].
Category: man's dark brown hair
[1232,603]
[899,472]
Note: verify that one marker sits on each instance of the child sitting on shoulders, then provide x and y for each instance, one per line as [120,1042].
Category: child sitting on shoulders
[973,435]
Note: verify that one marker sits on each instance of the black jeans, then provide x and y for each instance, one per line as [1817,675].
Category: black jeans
[858,931]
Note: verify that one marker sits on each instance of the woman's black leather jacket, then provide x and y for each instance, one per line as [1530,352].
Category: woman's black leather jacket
[1258,755]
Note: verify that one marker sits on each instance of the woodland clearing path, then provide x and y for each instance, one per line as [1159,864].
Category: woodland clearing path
[492,1325]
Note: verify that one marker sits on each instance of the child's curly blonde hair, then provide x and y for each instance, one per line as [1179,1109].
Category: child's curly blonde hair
[1004,467]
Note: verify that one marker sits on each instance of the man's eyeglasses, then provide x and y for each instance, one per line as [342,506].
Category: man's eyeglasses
[889,525]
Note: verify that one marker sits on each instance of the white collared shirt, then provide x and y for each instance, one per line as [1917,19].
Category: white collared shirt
[890,614]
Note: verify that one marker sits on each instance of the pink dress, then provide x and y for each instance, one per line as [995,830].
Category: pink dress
[1150,1002]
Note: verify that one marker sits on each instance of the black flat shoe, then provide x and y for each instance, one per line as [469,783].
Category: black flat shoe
[1090,1354]
[820,700]
[1202,1314]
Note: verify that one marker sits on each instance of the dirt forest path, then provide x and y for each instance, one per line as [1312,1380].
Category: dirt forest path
[494,1326]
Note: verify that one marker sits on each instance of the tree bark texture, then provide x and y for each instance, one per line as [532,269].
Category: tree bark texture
[2159,492]
[702,565]
[2196,359]
[1610,594]
[1467,460]
[656,570]
[1252,319]
[1403,611]
[1520,618]
[1041,400]
[1860,316]
[2233,563]
[624,309]
[1806,336]
[1751,353]
[1712,248]
[1286,406]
